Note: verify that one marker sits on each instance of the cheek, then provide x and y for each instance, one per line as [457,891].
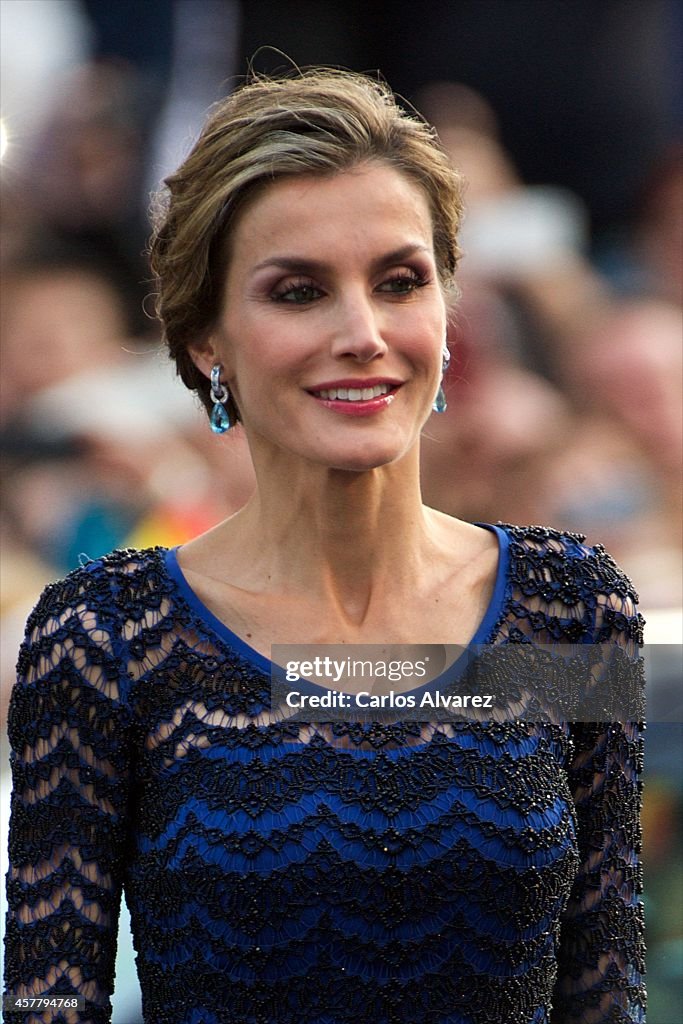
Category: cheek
[277,352]
[428,342]
[260,371]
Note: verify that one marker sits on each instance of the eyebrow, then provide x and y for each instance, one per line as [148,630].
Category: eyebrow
[301,264]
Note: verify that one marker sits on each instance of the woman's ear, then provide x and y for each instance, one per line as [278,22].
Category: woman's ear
[204,355]
[203,358]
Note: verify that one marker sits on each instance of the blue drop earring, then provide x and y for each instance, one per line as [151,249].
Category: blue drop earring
[440,403]
[220,418]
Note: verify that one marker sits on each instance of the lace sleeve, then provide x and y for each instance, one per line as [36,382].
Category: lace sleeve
[601,957]
[67,730]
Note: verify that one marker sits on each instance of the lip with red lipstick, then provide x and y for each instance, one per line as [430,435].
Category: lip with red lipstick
[355,396]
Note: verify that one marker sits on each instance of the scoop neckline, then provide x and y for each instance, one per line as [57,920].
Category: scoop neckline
[226,635]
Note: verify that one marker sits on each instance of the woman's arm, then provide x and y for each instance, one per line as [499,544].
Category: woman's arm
[601,957]
[68,731]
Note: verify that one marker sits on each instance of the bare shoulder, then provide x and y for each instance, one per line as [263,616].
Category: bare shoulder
[468,563]
[205,553]
[462,543]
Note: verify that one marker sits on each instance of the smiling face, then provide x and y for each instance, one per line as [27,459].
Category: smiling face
[333,318]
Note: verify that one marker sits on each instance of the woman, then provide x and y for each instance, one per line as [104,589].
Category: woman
[282,871]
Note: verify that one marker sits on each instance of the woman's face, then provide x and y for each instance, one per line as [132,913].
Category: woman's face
[333,318]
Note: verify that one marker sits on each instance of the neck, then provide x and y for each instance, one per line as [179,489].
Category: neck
[344,536]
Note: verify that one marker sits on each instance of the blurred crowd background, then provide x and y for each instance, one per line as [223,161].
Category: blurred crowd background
[565,390]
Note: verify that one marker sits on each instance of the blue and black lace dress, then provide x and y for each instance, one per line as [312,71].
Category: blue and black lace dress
[286,873]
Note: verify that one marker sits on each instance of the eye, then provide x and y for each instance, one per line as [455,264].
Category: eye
[403,283]
[297,292]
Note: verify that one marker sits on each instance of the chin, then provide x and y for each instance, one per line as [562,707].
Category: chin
[363,460]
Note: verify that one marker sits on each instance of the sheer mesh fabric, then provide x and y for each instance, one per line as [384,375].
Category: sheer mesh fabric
[290,873]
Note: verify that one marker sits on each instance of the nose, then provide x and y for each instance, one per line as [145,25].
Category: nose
[358,330]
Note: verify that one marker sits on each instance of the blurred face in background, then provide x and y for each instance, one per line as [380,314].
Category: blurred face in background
[56,324]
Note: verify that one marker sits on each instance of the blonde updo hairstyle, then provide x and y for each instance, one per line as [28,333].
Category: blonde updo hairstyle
[319,121]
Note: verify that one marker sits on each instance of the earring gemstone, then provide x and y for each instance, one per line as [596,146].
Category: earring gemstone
[220,421]
[440,403]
